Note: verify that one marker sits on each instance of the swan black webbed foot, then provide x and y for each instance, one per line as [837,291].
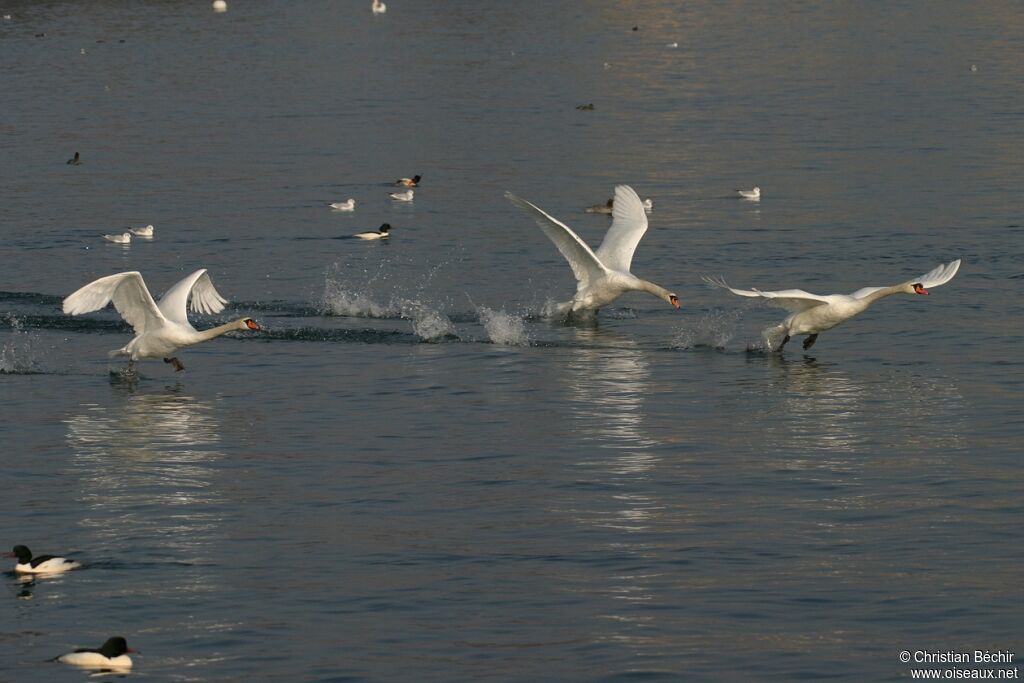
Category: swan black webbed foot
[784,340]
[809,342]
[178,367]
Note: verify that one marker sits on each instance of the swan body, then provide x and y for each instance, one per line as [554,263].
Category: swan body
[409,182]
[814,313]
[144,231]
[43,564]
[602,276]
[753,195]
[607,207]
[160,329]
[112,654]
[379,234]
[378,7]
[347,205]
[123,238]
[402,196]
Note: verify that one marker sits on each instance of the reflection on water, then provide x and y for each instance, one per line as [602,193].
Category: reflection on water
[144,464]
[822,408]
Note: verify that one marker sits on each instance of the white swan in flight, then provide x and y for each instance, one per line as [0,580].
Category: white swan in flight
[160,329]
[602,276]
[813,313]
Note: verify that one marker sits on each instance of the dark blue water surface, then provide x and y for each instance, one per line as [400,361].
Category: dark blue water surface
[410,475]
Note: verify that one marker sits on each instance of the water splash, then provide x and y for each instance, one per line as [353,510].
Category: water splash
[507,329]
[18,355]
[340,300]
[429,323]
[715,330]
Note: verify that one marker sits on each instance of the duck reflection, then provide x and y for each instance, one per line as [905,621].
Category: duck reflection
[144,463]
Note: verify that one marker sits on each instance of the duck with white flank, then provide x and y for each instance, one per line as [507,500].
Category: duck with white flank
[123,238]
[409,182]
[814,313]
[113,654]
[753,195]
[43,564]
[602,276]
[379,234]
[402,196]
[160,329]
[347,205]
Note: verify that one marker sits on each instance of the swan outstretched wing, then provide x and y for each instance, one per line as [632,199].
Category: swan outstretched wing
[205,299]
[129,295]
[794,300]
[584,263]
[629,223]
[939,275]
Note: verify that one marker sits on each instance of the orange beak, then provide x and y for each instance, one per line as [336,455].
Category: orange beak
[674,300]
[920,290]
[251,324]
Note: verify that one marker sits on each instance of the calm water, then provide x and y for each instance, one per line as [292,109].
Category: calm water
[409,475]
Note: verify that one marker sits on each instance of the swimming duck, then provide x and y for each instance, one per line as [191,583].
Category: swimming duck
[379,234]
[123,238]
[409,182]
[43,564]
[753,195]
[112,654]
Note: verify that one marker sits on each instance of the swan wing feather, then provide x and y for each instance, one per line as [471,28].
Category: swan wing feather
[629,223]
[205,298]
[793,300]
[129,295]
[584,263]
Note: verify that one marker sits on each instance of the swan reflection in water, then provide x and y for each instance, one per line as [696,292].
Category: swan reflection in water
[144,464]
[821,408]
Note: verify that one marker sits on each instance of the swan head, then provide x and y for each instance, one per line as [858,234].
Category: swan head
[674,300]
[918,288]
[248,324]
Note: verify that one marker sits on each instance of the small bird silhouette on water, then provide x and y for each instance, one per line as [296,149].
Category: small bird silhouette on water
[585,107]
[75,160]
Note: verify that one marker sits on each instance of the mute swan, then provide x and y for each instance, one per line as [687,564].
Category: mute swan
[813,314]
[409,182]
[42,564]
[753,195]
[607,207]
[378,7]
[123,238]
[160,329]
[348,205]
[144,231]
[379,234]
[402,196]
[602,276]
[75,160]
[112,653]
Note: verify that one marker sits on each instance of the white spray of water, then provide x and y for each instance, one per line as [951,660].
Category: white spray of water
[713,329]
[17,355]
[504,328]
[429,324]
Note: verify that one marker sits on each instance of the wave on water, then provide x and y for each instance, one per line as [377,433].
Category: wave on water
[507,329]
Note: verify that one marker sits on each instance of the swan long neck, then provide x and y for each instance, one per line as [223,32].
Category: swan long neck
[657,291]
[214,332]
[884,292]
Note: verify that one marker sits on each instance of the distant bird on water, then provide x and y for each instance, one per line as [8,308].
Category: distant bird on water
[145,231]
[123,238]
[753,195]
[220,6]
[409,182]
[347,205]
[113,655]
[75,160]
[378,7]
[379,234]
[41,564]
[402,196]
[609,206]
